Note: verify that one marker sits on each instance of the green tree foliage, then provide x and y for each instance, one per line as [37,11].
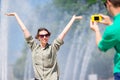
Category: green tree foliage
[67,5]
[76,6]
[90,2]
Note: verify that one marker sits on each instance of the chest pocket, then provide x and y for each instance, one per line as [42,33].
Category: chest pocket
[49,58]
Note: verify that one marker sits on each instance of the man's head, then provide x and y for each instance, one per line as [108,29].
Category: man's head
[115,3]
[112,6]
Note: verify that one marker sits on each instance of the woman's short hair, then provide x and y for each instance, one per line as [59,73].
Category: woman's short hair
[41,29]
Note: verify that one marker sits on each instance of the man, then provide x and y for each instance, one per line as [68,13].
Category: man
[111,36]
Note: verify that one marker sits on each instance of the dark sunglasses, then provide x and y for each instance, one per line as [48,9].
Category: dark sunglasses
[44,35]
[105,3]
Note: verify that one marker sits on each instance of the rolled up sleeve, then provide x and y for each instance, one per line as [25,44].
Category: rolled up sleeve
[57,43]
[31,43]
[108,40]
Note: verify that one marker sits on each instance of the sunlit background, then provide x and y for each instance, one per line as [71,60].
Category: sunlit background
[79,57]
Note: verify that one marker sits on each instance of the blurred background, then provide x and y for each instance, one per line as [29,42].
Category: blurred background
[78,59]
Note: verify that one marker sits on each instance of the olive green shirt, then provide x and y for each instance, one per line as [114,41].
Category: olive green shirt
[44,59]
[111,39]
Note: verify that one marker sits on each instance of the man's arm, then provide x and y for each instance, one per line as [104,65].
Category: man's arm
[95,28]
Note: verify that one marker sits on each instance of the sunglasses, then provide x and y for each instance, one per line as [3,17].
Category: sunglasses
[105,4]
[44,35]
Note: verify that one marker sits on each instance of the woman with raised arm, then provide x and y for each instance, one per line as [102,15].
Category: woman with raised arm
[44,55]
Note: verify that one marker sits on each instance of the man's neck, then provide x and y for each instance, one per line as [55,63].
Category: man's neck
[116,11]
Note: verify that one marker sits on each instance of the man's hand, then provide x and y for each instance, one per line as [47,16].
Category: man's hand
[94,26]
[106,20]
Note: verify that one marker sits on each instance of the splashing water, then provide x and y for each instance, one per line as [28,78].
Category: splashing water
[79,55]
[3,41]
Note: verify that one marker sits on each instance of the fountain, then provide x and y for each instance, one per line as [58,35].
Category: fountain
[28,72]
[82,48]
[79,54]
[3,41]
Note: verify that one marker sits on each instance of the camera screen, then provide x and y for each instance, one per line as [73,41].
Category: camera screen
[96,18]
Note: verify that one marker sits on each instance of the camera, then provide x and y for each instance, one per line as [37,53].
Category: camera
[96,18]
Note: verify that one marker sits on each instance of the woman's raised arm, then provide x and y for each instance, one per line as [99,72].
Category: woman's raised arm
[68,26]
[22,26]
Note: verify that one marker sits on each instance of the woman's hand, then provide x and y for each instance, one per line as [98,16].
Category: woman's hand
[77,17]
[22,26]
[68,26]
[11,14]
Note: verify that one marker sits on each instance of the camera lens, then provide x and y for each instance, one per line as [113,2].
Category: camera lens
[96,18]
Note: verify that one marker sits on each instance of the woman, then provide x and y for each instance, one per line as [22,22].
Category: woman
[43,54]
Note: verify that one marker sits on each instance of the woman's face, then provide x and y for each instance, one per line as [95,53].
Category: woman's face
[43,37]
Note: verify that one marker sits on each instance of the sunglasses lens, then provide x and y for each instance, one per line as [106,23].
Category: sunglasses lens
[105,3]
[41,36]
[44,35]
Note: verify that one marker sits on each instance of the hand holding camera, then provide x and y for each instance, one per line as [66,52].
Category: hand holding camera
[96,18]
[101,19]
[93,22]
[106,19]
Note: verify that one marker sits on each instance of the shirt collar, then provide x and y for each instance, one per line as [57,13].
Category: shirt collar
[47,45]
[117,15]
